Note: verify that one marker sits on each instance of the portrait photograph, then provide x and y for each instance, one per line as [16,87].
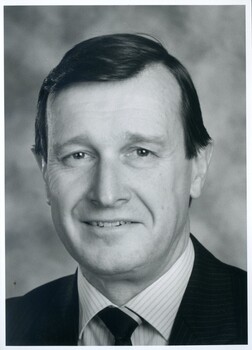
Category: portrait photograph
[125,173]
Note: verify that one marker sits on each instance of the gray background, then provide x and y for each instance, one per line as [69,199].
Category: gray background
[210,42]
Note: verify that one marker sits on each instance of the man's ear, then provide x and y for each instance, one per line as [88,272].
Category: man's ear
[43,168]
[200,165]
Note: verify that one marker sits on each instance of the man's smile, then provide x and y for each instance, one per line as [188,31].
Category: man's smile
[108,223]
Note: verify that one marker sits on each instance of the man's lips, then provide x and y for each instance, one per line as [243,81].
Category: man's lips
[112,223]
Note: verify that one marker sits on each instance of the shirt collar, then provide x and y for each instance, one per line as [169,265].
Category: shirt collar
[91,301]
[157,304]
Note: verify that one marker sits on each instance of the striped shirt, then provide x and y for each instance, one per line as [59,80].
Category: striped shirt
[157,305]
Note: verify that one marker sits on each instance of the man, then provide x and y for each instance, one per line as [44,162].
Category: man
[122,148]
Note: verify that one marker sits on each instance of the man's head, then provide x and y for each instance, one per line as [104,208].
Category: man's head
[116,58]
[122,151]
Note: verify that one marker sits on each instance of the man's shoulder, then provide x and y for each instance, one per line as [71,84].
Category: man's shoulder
[218,280]
[214,268]
[41,294]
[33,314]
[215,301]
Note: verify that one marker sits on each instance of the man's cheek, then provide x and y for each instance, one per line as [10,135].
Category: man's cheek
[60,184]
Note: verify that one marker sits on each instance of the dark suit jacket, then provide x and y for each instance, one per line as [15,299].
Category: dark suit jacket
[213,309]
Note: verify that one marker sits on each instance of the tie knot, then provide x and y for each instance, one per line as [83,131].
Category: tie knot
[119,324]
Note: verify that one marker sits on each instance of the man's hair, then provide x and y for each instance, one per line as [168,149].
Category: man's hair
[114,58]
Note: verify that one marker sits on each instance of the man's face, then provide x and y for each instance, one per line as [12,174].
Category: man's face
[117,177]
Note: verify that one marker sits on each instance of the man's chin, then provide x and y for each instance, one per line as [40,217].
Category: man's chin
[114,269]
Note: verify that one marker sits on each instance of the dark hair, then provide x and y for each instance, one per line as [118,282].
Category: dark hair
[114,58]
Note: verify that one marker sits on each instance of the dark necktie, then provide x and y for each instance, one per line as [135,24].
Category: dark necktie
[119,324]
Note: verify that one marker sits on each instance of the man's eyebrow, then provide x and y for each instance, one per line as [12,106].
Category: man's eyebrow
[137,137]
[80,139]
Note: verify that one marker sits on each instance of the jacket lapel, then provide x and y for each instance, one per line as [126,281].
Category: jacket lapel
[206,315]
[182,330]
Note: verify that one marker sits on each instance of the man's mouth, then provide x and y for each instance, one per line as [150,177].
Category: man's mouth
[108,223]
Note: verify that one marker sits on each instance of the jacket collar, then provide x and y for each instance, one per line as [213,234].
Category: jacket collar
[206,305]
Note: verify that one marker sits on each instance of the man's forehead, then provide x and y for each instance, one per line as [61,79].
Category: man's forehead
[154,87]
[148,104]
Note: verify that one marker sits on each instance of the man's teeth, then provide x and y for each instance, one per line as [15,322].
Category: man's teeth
[108,223]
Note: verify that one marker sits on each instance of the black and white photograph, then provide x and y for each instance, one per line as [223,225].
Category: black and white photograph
[126,174]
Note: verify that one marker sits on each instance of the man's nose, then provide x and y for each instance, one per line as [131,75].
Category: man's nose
[108,187]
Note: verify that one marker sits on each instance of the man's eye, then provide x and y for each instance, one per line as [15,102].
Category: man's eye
[78,155]
[77,159]
[142,152]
